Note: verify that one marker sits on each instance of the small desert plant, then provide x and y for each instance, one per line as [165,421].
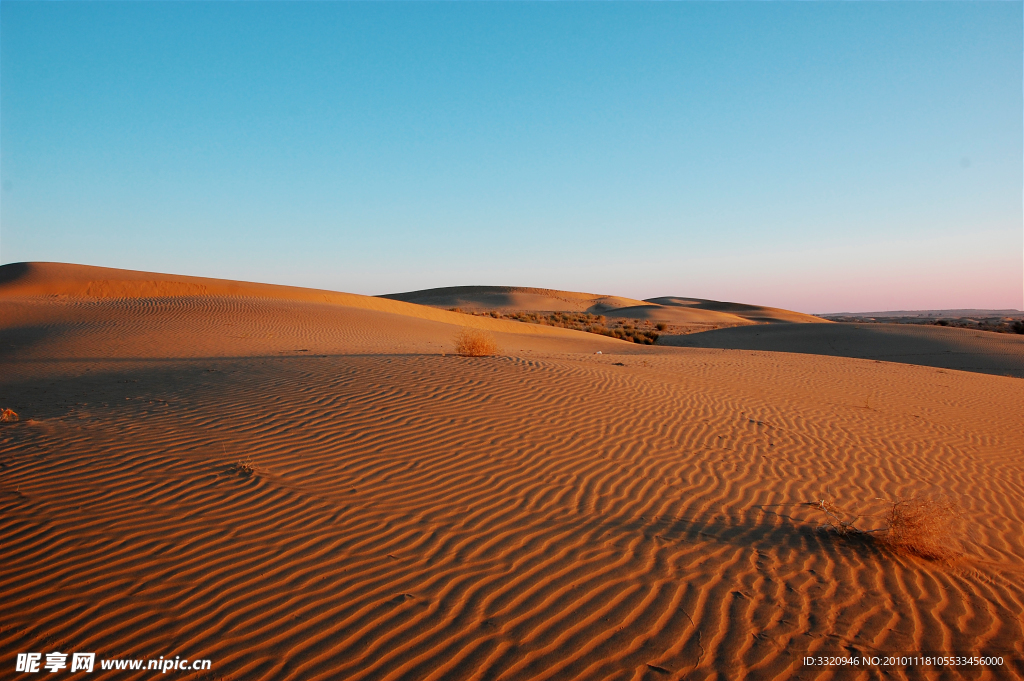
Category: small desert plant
[473,343]
[8,416]
[661,326]
[244,466]
[834,517]
[923,526]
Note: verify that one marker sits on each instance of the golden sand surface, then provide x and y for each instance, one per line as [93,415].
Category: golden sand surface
[306,485]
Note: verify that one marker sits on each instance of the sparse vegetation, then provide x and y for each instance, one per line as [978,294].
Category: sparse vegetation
[834,517]
[244,467]
[921,526]
[8,416]
[993,324]
[473,343]
[634,330]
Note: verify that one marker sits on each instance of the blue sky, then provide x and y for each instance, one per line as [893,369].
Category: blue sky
[814,156]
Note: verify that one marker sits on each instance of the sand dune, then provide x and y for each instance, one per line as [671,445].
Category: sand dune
[545,514]
[672,310]
[750,313]
[514,298]
[185,316]
[935,346]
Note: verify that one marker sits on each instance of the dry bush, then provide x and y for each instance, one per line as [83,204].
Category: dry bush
[244,467]
[473,343]
[924,526]
[8,416]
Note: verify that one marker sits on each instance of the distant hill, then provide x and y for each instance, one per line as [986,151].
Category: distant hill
[923,344]
[955,313]
[677,311]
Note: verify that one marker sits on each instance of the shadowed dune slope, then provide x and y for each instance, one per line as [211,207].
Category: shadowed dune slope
[681,311]
[935,346]
[306,490]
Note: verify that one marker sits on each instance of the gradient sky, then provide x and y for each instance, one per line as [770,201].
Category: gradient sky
[813,156]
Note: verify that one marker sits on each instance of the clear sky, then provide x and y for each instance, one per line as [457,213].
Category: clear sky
[814,156]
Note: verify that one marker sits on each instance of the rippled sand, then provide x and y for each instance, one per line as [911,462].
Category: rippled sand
[400,513]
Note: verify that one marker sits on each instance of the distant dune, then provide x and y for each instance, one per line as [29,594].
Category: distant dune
[514,298]
[672,310]
[305,485]
[935,346]
[910,314]
[754,314]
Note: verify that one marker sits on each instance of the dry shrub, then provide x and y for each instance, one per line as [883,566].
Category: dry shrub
[8,416]
[924,526]
[245,467]
[473,343]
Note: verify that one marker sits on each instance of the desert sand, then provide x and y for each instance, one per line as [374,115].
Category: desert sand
[304,484]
